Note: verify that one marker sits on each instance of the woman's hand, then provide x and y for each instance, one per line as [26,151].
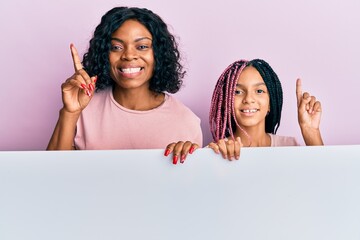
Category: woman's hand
[309,116]
[76,94]
[180,149]
[77,90]
[229,149]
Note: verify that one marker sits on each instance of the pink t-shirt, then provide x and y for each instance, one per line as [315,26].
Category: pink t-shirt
[105,124]
[281,141]
[278,141]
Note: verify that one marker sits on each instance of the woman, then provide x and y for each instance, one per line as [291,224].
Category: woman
[116,98]
[246,111]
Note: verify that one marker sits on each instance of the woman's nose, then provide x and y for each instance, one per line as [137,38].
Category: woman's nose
[129,54]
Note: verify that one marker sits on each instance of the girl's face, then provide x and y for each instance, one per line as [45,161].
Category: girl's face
[131,56]
[252,101]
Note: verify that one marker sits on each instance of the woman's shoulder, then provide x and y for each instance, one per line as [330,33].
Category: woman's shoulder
[98,101]
[176,105]
[277,141]
[100,95]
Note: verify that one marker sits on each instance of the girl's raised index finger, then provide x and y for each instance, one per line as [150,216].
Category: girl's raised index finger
[76,59]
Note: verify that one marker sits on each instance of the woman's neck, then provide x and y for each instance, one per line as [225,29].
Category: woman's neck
[138,99]
[254,137]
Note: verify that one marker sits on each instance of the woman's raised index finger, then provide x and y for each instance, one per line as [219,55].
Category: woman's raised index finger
[76,59]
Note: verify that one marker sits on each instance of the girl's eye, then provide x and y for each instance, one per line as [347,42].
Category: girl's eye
[238,92]
[260,91]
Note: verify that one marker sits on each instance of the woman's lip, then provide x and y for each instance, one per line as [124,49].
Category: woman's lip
[130,69]
[130,72]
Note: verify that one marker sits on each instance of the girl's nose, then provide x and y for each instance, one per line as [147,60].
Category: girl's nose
[248,98]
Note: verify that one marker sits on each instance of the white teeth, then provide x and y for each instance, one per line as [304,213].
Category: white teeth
[249,110]
[130,70]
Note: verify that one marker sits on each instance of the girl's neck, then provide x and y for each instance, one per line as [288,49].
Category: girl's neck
[254,137]
[140,100]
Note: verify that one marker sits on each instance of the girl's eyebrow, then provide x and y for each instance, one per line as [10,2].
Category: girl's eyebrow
[254,85]
[136,40]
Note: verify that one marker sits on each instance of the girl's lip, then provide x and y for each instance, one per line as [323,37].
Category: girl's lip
[252,110]
[249,112]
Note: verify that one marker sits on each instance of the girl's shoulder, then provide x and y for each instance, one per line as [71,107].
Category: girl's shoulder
[278,141]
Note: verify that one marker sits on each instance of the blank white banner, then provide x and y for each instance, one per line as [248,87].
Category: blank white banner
[271,193]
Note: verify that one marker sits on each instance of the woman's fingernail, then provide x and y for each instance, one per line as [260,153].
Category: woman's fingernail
[175,159]
[167,152]
[95,79]
[192,149]
[91,87]
[88,92]
[83,86]
[182,159]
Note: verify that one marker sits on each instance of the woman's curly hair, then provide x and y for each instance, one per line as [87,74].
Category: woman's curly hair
[168,72]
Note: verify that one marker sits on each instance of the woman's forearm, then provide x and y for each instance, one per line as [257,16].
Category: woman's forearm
[64,132]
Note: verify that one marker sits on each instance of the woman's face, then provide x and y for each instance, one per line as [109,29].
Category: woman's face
[252,101]
[131,56]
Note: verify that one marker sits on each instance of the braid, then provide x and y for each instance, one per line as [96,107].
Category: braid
[222,114]
[272,82]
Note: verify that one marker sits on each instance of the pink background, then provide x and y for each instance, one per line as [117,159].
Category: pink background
[318,41]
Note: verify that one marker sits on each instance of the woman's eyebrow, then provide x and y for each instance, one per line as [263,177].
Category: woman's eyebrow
[136,40]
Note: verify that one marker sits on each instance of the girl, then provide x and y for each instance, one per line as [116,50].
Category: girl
[246,111]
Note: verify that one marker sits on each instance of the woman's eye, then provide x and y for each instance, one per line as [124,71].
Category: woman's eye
[238,92]
[116,47]
[143,47]
[260,91]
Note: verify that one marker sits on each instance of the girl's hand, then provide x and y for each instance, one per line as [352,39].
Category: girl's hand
[77,90]
[309,115]
[180,150]
[309,109]
[229,149]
